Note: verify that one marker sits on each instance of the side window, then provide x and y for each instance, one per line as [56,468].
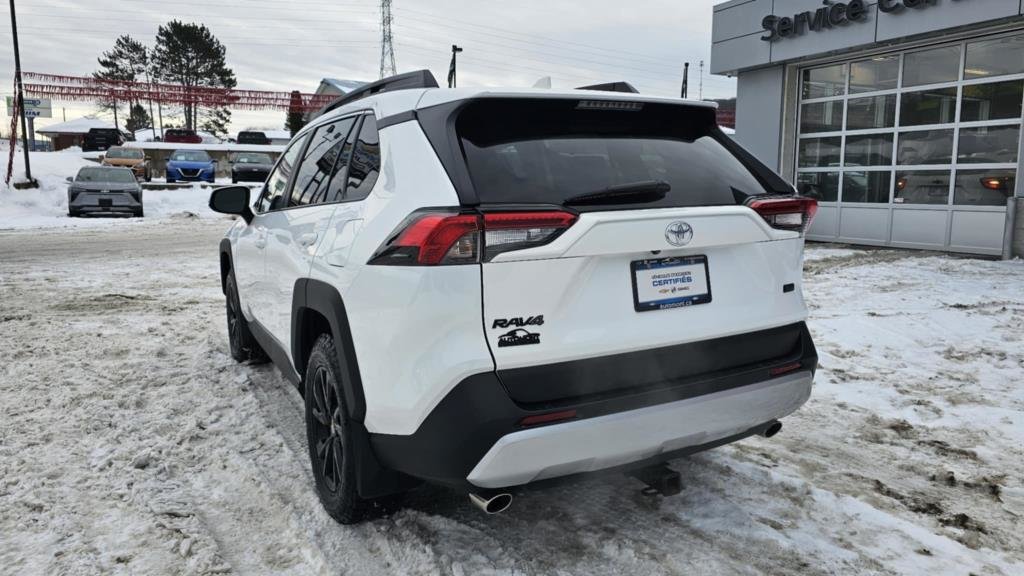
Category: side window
[365,163]
[318,163]
[336,191]
[272,197]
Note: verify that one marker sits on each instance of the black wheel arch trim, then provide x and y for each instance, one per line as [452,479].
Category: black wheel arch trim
[225,254]
[373,480]
[325,300]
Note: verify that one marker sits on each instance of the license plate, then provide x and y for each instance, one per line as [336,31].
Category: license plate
[106,202]
[670,283]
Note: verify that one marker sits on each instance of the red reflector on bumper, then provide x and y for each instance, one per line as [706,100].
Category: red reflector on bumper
[548,418]
[786,369]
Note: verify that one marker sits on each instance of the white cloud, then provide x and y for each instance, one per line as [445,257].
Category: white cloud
[290,45]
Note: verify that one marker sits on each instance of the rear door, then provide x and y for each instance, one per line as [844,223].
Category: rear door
[657,250]
[295,233]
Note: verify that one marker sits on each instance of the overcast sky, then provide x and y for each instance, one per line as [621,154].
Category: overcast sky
[290,45]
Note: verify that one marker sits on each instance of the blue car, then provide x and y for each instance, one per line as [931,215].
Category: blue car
[191,166]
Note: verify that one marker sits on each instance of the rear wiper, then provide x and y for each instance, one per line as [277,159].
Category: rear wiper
[629,193]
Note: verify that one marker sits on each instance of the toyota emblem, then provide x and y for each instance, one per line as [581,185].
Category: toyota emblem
[679,233]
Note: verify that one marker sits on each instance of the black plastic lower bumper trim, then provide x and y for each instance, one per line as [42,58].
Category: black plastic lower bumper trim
[479,411]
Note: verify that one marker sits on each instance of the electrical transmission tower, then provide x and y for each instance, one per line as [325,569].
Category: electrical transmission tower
[387,47]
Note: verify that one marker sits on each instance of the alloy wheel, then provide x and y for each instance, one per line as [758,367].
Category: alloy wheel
[328,430]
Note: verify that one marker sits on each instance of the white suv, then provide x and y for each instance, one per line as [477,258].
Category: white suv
[488,288]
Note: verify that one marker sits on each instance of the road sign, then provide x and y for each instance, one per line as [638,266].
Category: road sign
[34,107]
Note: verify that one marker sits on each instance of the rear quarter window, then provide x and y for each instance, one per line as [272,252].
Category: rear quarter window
[528,151]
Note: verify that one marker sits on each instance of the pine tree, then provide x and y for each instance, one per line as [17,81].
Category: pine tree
[190,55]
[138,119]
[295,119]
[216,121]
[126,61]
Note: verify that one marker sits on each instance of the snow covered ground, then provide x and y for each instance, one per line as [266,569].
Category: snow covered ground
[131,443]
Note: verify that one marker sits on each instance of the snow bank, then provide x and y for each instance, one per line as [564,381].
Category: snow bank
[47,206]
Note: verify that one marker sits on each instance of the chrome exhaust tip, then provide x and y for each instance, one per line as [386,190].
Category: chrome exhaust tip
[491,504]
[772,429]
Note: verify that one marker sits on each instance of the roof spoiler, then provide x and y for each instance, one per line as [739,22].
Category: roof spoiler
[407,81]
[612,87]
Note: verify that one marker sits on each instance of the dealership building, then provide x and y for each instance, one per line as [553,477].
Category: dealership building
[902,117]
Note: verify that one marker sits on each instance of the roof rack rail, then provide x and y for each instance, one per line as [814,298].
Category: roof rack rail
[407,81]
[612,87]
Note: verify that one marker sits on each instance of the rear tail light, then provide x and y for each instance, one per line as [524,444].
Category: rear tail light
[433,238]
[793,213]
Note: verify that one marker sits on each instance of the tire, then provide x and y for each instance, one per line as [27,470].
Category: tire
[72,214]
[243,346]
[140,213]
[329,438]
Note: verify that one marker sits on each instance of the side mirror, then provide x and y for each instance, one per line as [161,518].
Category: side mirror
[70,179]
[232,200]
[102,157]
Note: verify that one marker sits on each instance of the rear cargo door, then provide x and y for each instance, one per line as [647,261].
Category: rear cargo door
[614,233]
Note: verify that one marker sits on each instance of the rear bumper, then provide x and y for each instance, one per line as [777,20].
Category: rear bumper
[90,202]
[474,439]
[618,439]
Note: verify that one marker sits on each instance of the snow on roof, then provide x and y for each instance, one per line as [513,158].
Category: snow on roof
[345,86]
[278,134]
[76,126]
[146,135]
[207,147]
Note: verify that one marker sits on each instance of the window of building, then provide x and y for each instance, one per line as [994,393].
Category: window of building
[937,126]
[874,74]
[824,82]
[996,101]
[934,66]
[995,57]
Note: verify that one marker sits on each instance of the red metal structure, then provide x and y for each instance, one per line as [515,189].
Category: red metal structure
[88,89]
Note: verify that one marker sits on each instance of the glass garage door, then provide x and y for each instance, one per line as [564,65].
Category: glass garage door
[916,149]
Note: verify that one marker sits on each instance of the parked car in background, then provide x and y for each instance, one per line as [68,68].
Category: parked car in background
[182,136]
[191,166]
[104,190]
[253,137]
[251,167]
[99,139]
[131,158]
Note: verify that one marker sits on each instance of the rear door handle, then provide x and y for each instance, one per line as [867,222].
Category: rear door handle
[307,240]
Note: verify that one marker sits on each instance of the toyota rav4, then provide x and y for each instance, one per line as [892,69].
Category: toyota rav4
[490,288]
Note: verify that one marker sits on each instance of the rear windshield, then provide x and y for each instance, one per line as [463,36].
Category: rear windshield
[547,151]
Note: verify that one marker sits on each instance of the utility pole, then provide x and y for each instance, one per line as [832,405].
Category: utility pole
[686,80]
[701,80]
[451,68]
[20,93]
[387,47]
